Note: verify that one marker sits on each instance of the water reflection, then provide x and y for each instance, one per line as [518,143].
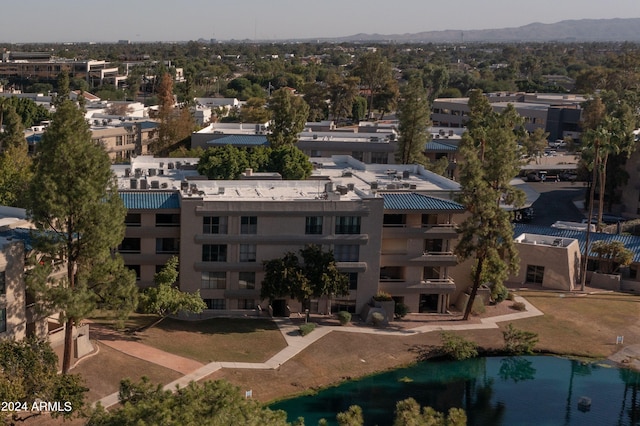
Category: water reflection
[493,391]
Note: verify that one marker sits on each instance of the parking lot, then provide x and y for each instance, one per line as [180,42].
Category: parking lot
[556,202]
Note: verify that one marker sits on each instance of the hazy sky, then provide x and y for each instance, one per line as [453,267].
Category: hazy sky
[24,21]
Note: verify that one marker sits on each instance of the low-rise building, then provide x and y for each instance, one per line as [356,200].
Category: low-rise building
[390,229]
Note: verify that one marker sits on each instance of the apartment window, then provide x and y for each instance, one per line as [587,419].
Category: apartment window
[535,274]
[249,225]
[163,219]
[433,246]
[133,219]
[136,269]
[247,280]
[214,225]
[431,273]
[313,225]
[247,252]
[357,155]
[3,320]
[131,139]
[379,158]
[346,252]
[3,282]
[394,220]
[353,280]
[214,253]
[167,245]
[246,304]
[215,303]
[348,225]
[118,140]
[214,280]
[130,245]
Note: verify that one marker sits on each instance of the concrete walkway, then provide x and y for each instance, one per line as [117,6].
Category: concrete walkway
[194,371]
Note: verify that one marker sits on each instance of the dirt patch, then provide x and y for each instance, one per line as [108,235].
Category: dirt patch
[341,356]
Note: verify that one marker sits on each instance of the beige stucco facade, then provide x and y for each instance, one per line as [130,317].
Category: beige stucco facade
[550,262]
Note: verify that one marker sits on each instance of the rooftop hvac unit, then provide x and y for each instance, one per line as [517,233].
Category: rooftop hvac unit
[170,166]
[127,172]
[374,185]
[184,185]
[193,187]
[155,184]
[342,190]
[143,184]
[152,172]
[413,186]
[160,172]
[164,185]
[328,187]
[138,173]
[178,164]
[221,190]
[405,174]
[133,184]
[161,164]
[350,186]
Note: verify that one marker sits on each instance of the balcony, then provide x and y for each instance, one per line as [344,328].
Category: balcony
[446,231]
[433,285]
[424,259]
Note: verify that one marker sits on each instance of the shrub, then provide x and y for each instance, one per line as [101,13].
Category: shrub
[307,328]
[401,310]
[511,296]
[382,296]
[478,306]
[499,292]
[519,341]
[377,318]
[519,306]
[344,317]
[457,347]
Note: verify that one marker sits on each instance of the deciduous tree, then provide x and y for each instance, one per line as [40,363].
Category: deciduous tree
[209,403]
[29,374]
[288,115]
[374,71]
[165,299]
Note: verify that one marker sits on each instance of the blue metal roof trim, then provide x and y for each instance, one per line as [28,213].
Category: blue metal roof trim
[440,147]
[414,201]
[20,234]
[630,241]
[150,200]
[240,140]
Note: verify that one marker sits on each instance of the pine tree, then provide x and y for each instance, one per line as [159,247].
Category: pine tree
[413,115]
[79,218]
[489,161]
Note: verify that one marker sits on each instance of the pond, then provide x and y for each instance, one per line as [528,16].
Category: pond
[531,390]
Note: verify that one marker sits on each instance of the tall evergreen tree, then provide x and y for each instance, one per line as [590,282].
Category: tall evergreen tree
[413,115]
[15,163]
[288,115]
[79,217]
[488,151]
[374,71]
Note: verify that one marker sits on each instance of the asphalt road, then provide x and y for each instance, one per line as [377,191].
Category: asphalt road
[556,202]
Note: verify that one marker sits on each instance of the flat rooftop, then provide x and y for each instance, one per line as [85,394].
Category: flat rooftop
[339,175]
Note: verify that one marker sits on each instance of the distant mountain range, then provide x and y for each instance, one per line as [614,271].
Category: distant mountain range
[583,30]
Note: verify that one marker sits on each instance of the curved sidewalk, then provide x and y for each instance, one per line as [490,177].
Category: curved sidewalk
[295,344]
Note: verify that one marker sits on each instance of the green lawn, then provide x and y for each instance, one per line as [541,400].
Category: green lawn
[217,339]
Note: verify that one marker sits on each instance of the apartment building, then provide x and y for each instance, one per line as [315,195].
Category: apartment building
[124,139]
[18,316]
[369,144]
[559,115]
[389,229]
